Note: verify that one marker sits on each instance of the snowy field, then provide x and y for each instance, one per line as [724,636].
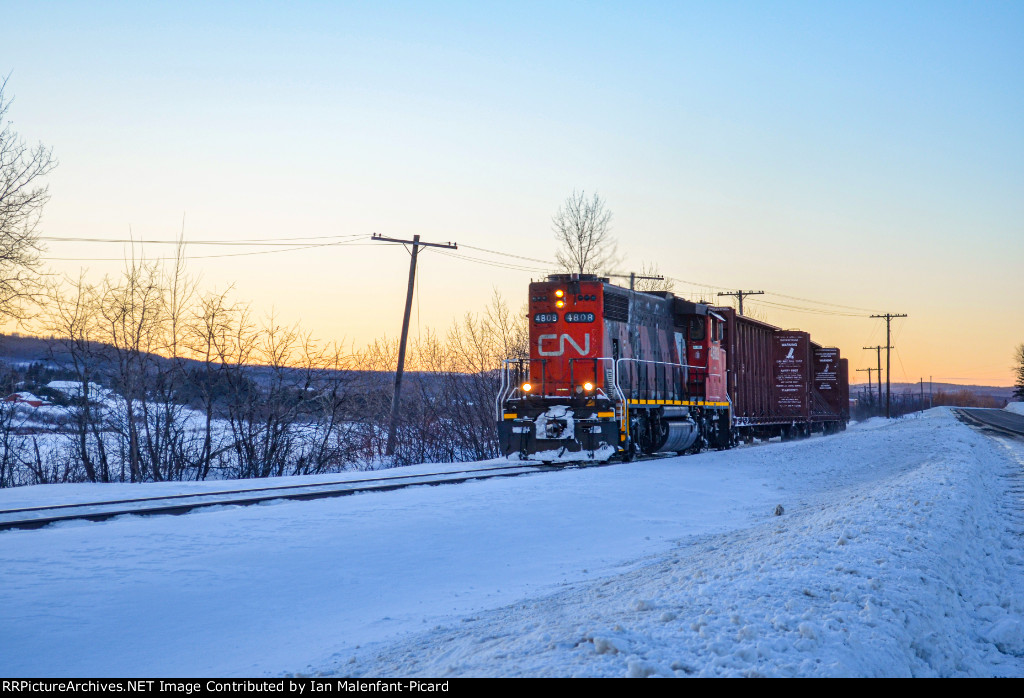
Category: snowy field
[897,553]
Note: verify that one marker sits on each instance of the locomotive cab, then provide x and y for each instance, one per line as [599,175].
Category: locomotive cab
[557,404]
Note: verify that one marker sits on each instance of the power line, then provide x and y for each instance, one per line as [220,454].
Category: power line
[506,254]
[246,242]
[814,311]
[808,300]
[697,284]
[490,263]
[209,256]
[290,244]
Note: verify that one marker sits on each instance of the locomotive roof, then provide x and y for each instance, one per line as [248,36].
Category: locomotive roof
[680,306]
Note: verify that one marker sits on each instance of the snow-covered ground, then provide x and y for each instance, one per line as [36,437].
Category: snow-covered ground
[897,552]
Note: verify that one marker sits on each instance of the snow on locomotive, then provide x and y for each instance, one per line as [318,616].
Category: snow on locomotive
[614,372]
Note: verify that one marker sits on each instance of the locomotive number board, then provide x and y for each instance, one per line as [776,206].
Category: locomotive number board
[543,318]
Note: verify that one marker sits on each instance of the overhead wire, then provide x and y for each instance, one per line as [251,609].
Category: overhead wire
[289,244]
[210,256]
[808,300]
[281,241]
[488,262]
[507,254]
[798,309]
[899,358]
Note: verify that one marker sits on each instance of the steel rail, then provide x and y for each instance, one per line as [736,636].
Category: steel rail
[283,492]
[263,495]
[249,490]
[997,420]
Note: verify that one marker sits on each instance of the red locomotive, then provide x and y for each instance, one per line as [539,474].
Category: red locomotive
[614,372]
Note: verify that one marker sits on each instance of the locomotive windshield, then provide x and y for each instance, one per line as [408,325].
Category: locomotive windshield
[697,329]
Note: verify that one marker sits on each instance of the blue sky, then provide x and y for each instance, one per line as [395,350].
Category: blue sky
[862,154]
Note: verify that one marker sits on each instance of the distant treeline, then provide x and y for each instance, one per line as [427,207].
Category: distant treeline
[903,402]
[178,385]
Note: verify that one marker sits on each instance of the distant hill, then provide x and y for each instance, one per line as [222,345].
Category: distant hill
[21,352]
[998,392]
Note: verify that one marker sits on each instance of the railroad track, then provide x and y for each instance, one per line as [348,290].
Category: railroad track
[37,517]
[996,420]
[174,504]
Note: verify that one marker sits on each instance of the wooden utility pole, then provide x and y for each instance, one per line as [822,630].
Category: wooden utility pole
[869,370]
[888,358]
[878,352]
[633,277]
[416,245]
[740,295]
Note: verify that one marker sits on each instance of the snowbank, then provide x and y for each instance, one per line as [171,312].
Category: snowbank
[896,554]
[1016,407]
[909,567]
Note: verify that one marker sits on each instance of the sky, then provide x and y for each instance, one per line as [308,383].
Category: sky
[848,159]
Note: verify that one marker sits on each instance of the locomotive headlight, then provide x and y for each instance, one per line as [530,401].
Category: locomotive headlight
[559,293]
[559,304]
[527,387]
[588,386]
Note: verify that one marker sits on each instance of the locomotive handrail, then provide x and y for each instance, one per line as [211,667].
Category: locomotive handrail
[500,397]
[667,363]
[662,382]
[506,387]
[685,376]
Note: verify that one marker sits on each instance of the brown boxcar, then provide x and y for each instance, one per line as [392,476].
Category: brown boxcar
[749,348]
[844,386]
[768,397]
[826,381]
[791,380]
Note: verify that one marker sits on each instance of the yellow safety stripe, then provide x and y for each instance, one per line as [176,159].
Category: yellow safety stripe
[698,403]
[511,415]
[605,415]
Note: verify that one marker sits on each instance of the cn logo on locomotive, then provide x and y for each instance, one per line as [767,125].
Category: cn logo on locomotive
[562,339]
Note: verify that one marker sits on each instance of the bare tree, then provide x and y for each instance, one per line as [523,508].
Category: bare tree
[1018,371]
[582,231]
[72,317]
[22,197]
